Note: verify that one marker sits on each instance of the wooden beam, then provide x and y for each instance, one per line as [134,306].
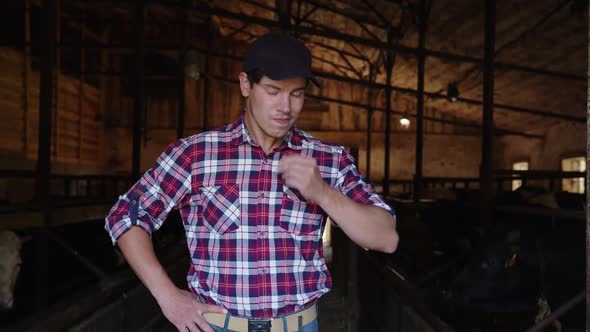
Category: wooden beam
[389,72]
[283,11]
[499,131]
[362,82]
[487,135]
[43,185]
[334,34]
[181,76]
[422,25]
[588,193]
[139,96]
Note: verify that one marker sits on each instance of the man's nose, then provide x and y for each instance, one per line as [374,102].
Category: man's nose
[285,103]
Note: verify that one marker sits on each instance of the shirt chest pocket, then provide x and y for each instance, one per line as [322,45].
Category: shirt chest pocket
[220,207]
[297,215]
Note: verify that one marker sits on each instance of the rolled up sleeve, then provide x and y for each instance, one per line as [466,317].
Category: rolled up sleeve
[352,184]
[163,187]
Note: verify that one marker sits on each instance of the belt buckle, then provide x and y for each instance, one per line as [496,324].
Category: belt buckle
[258,325]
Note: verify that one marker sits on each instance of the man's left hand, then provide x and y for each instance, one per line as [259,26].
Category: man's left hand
[302,173]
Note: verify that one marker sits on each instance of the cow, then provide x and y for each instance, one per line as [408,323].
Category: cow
[10,262]
[516,275]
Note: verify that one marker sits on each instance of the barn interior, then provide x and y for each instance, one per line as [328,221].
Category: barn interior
[467,116]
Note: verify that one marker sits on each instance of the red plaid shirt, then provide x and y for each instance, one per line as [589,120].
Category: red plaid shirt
[255,243]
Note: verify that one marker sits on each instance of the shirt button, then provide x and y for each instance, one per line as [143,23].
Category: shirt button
[263,271]
[134,202]
[262,195]
[262,233]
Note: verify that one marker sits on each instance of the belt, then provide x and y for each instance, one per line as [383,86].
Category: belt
[294,323]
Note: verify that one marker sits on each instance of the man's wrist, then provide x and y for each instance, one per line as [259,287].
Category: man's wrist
[165,294]
[325,195]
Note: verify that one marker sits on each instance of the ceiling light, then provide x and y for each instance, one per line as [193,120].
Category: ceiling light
[404,121]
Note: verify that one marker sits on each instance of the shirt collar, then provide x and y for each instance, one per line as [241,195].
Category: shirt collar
[240,135]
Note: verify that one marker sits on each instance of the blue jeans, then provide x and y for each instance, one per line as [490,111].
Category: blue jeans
[310,327]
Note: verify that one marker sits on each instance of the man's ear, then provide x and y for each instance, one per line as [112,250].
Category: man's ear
[244,84]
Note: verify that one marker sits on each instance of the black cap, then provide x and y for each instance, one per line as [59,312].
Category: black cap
[279,57]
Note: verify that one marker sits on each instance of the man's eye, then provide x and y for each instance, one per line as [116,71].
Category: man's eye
[273,92]
[297,94]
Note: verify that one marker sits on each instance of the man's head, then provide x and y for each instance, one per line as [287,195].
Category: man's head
[274,76]
[278,56]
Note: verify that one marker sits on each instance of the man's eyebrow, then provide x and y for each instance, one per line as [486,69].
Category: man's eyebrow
[278,88]
[271,86]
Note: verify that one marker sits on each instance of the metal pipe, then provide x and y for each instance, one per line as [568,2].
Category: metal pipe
[85,261]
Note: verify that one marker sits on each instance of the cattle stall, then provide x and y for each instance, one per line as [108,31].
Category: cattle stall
[467,116]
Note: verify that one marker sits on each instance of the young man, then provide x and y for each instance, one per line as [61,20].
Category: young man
[253,198]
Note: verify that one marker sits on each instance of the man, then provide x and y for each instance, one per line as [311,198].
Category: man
[253,197]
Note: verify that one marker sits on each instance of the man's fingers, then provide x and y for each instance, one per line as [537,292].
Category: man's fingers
[214,308]
[202,325]
[185,328]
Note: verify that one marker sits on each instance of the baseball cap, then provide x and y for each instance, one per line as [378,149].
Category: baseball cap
[279,56]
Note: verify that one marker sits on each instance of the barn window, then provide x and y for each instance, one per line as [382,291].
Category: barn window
[575,164]
[519,166]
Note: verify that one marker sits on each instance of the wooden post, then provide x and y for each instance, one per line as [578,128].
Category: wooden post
[388,71]
[206,80]
[353,271]
[42,188]
[81,77]
[588,197]
[370,102]
[283,8]
[423,20]
[181,78]
[56,84]
[26,75]
[139,99]
[486,174]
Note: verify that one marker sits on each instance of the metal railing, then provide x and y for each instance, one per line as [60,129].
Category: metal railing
[548,179]
[66,189]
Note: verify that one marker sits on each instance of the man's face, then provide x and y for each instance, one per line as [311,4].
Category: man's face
[272,106]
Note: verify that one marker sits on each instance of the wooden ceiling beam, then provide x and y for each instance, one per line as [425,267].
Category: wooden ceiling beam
[354,18]
[499,131]
[335,34]
[436,95]
[362,82]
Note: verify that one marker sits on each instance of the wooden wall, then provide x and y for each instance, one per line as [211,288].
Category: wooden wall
[77,124]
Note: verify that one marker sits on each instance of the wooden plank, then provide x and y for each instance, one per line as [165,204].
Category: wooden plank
[13,104]
[11,55]
[21,220]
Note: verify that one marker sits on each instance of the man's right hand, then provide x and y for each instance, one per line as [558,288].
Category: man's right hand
[186,313]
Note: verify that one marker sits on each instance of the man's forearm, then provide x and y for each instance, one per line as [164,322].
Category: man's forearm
[369,226]
[138,249]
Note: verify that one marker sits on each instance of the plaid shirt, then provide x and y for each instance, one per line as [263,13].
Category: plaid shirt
[255,243]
